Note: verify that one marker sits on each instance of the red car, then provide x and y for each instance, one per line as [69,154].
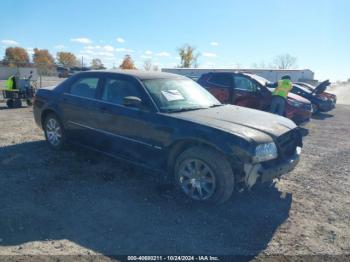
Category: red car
[250,91]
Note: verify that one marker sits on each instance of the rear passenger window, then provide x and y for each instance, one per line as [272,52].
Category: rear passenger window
[85,87]
[223,80]
[115,90]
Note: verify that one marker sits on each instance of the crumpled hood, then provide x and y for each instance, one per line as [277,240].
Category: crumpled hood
[252,124]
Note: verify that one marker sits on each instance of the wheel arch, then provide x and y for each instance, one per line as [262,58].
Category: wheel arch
[45,113]
[179,146]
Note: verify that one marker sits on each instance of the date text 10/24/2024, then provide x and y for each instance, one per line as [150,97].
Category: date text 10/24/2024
[173,258]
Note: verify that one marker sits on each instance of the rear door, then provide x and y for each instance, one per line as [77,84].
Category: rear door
[246,92]
[80,108]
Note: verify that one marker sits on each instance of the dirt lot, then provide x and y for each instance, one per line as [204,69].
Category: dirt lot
[78,202]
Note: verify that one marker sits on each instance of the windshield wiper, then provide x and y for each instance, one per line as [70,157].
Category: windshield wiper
[183,109]
[216,105]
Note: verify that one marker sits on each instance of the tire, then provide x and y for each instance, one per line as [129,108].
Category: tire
[213,180]
[29,102]
[9,103]
[54,132]
[17,103]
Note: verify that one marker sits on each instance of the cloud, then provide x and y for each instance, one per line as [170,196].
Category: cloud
[120,40]
[146,56]
[148,52]
[9,42]
[214,43]
[81,40]
[108,48]
[124,50]
[59,47]
[163,54]
[208,54]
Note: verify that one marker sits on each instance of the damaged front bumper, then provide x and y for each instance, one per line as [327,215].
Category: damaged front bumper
[266,172]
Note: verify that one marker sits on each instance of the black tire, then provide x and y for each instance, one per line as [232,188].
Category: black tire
[17,103]
[60,143]
[9,103]
[29,102]
[219,167]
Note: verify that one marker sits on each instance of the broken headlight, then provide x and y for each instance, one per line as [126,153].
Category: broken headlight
[264,152]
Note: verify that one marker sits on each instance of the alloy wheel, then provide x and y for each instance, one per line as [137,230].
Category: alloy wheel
[53,132]
[197,179]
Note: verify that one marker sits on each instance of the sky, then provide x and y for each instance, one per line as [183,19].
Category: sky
[226,33]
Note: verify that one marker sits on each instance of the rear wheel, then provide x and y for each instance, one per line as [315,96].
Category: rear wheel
[204,175]
[29,102]
[17,103]
[9,103]
[54,132]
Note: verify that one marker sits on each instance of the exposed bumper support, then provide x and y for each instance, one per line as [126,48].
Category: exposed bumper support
[253,172]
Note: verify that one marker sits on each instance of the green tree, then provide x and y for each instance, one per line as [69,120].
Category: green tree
[188,56]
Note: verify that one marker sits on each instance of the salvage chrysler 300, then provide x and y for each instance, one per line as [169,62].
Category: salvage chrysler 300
[170,124]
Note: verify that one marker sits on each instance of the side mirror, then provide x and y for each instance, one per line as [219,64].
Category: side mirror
[132,101]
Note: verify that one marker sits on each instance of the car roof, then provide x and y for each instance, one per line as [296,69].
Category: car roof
[142,75]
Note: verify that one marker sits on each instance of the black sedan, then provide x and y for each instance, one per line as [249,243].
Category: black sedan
[320,101]
[172,125]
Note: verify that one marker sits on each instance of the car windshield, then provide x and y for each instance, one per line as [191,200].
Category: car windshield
[260,79]
[303,88]
[174,95]
[309,87]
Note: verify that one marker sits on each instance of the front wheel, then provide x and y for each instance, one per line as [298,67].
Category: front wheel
[204,175]
[54,132]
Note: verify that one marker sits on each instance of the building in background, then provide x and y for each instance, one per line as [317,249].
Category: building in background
[273,75]
[20,72]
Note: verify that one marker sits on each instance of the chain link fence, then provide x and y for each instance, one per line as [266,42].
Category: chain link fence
[41,75]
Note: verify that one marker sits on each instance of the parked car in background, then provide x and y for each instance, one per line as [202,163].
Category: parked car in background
[324,101]
[319,103]
[170,124]
[250,91]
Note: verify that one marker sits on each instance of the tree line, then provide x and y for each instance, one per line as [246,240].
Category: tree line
[43,60]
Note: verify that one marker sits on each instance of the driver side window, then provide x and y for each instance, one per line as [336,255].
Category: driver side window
[245,84]
[115,90]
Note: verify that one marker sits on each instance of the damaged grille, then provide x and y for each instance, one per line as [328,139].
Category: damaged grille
[287,143]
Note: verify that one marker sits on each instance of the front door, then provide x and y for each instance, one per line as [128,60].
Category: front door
[246,93]
[129,132]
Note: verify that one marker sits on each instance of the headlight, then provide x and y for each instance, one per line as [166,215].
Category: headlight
[265,152]
[294,103]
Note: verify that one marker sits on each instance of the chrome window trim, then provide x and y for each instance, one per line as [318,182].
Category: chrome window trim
[102,101]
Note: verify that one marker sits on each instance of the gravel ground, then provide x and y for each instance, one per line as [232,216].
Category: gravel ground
[79,202]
